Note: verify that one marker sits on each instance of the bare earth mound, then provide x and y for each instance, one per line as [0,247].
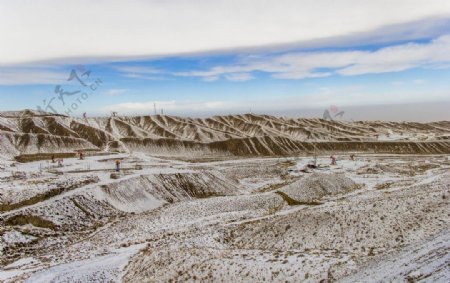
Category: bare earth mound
[318,185]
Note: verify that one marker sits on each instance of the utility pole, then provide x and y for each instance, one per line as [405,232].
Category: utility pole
[314,146]
[315,155]
[154,106]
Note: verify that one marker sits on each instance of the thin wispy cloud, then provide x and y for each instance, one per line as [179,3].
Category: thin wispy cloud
[140,72]
[291,65]
[301,65]
[115,92]
[239,77]
[137,70]
[31,76]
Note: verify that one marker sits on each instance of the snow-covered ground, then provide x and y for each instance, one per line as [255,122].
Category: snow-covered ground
[106,268]
[244,220]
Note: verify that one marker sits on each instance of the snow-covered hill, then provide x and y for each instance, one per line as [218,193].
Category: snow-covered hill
[38,134]
[195,200]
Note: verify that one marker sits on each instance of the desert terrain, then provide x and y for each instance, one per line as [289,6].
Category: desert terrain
[222,199]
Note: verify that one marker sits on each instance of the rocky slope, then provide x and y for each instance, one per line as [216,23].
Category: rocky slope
[31,132]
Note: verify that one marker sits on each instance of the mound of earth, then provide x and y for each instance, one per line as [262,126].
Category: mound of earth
[147,192]
[318,185]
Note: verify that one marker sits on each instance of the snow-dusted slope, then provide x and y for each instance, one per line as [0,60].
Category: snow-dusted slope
[201,217]
[29,132]
[225,221]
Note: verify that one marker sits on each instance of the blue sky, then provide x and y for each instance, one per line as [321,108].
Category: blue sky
[190,67]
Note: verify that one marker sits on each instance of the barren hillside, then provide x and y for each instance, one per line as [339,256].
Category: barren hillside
[222,218]
[31,132]
[378,218]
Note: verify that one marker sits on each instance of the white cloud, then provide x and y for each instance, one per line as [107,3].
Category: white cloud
[401,57]
[61,30]
[210,78]
[115,92]
[293,65]
[23,76]
[300,65]
[217,71]
[140,72]
[239,77]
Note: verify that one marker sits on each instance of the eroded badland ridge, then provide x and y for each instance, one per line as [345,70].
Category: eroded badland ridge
[30,132]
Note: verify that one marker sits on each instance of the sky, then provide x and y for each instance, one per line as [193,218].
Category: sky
[374,60]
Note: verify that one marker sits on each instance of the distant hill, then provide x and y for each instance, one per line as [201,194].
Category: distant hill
[33,132]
